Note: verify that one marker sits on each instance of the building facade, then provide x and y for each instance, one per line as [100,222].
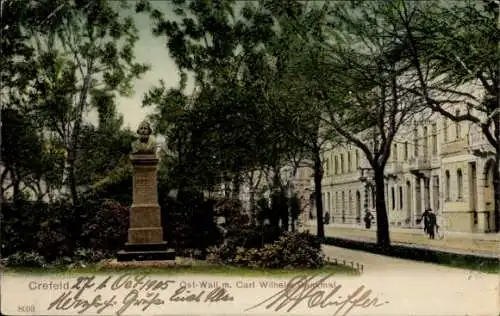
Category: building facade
[434,163]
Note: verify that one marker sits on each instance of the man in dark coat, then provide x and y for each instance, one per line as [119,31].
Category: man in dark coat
[368,219]
[425,217]
[432,224]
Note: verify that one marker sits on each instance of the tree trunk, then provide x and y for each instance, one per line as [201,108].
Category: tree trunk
[383,238]
[71,175]
[496,188]
[236,186]
[318,176]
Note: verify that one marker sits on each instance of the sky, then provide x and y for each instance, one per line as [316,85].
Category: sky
[152,50]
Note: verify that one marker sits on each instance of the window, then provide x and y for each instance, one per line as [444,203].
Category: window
[459,184]
[447,177]
[424,142]
[393,198]
[434,139]
[348,161]
[337,207]
[327,166]
[341,163]
[406,151]
[343,202]
[415,142]
[350,203]
[328,208]
[458,130]
[445,131]
[395,152]
[357,158]
[400,198]
[336,165]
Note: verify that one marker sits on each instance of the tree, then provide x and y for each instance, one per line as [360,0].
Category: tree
[226,131]
[21,149]
[295,210]
[357,79]
[453,51]
[290,89]
[85,50]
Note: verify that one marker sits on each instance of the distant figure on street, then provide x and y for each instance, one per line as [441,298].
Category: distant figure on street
[327,218]
[425,217]
[432,224]
[368,219]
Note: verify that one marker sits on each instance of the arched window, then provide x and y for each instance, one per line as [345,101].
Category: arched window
[395,152]
[357,158]
[336,167]
[459,184]
[341,163]
[447,178]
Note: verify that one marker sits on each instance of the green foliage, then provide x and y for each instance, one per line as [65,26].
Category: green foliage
[113,235]
[30,259]
[188,222]
[225,129]
[292,250]
[21,148]
[58,230]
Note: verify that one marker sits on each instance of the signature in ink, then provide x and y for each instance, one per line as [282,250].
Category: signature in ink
[304,289]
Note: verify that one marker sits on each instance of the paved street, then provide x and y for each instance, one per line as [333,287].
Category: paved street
[379,263]
[487,244]
[425,288]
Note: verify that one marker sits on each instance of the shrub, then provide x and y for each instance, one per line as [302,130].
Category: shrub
[105,228]
[57,230]
[298,250]
[189,223]
[30,259]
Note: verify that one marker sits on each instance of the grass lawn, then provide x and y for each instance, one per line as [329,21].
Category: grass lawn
[194,267]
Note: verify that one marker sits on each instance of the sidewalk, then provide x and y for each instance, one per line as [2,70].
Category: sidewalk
[487,244]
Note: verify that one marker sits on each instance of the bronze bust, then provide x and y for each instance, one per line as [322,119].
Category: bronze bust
[146,143]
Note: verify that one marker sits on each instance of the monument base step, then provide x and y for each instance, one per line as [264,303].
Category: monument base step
[144,255]
[160,246]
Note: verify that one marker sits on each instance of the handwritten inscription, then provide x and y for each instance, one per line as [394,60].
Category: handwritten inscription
[86,295]
[304,289]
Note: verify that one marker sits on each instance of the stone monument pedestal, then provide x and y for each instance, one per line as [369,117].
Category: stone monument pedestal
[145,235]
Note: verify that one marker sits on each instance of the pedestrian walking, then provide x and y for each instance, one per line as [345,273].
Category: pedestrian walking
[425,217]
[326,220]
[432,224]
[368,219]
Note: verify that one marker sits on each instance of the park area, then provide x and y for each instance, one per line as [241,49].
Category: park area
[60,238]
